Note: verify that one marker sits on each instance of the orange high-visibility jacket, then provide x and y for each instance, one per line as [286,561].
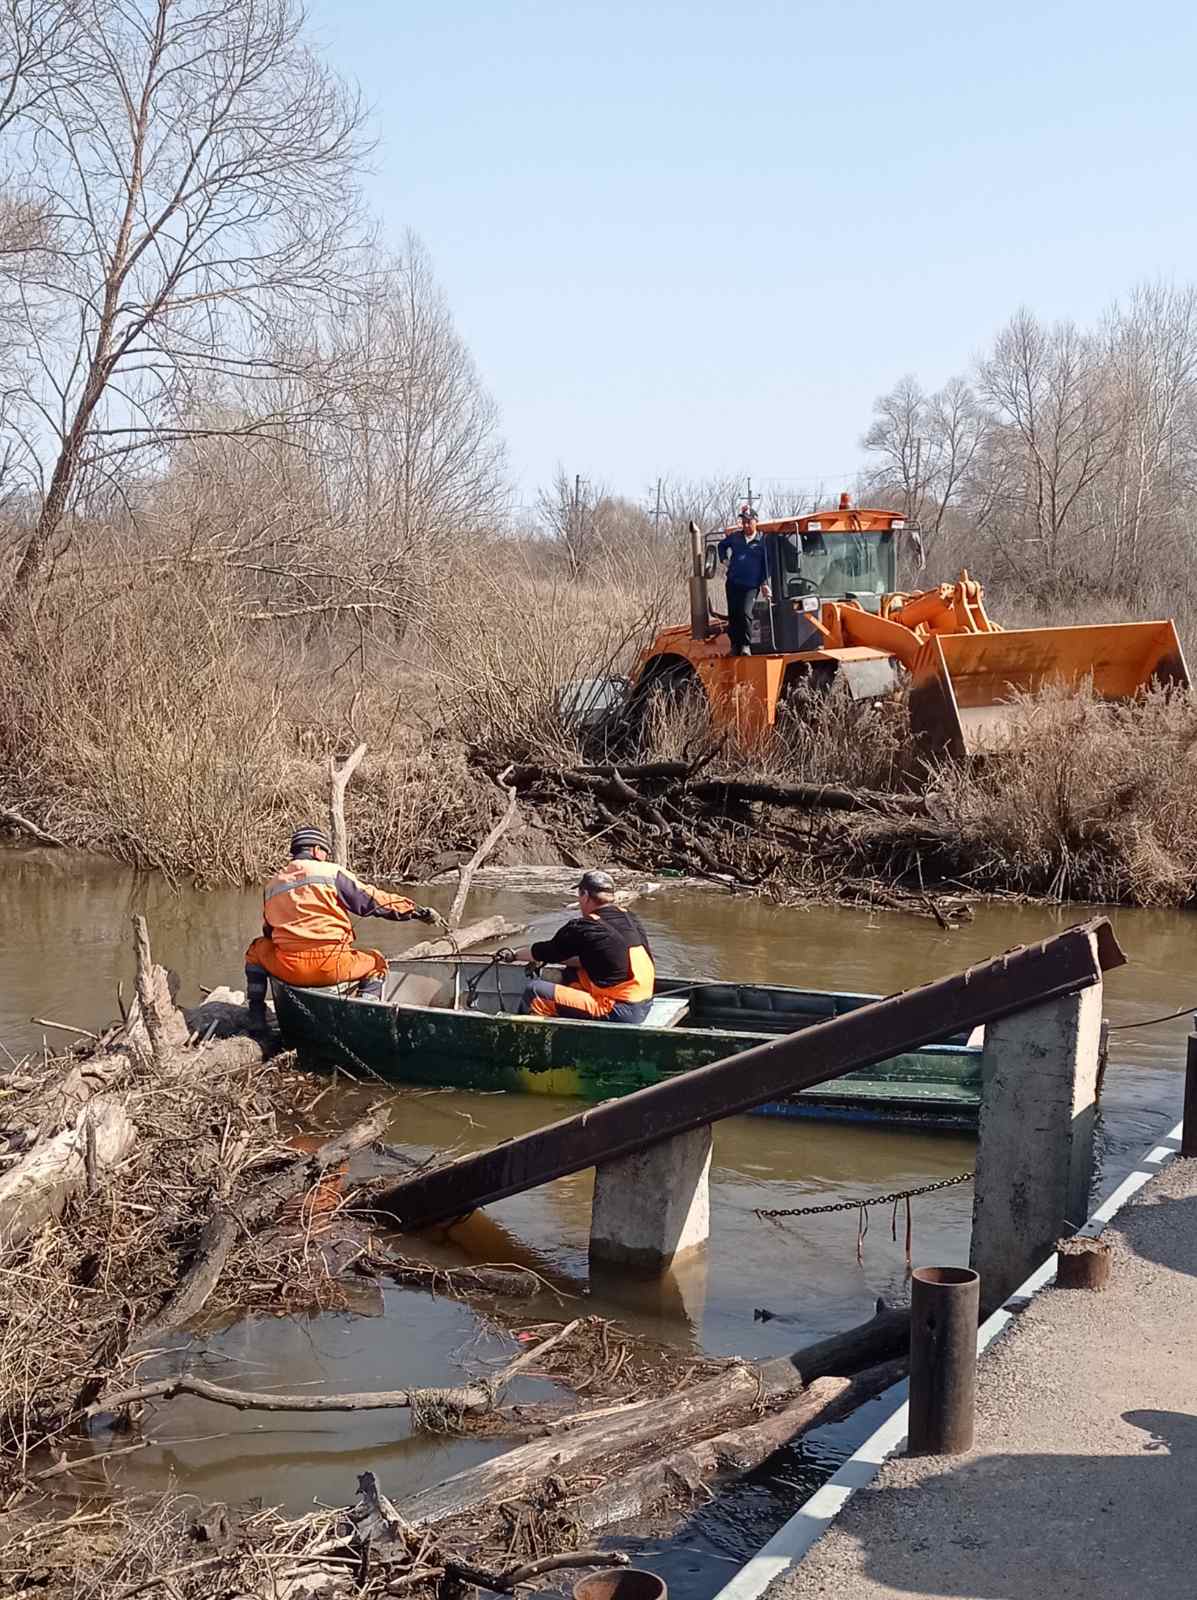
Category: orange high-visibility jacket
[310,902]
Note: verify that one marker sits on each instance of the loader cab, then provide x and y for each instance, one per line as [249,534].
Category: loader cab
[848,553]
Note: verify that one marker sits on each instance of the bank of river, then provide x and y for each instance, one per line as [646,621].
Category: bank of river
[67,945]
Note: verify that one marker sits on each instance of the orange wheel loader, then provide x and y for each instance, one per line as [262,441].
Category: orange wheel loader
[835,616]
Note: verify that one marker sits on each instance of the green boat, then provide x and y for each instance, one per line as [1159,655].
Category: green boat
[451,1024]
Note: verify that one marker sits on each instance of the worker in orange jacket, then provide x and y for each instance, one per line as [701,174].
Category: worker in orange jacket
[307,937]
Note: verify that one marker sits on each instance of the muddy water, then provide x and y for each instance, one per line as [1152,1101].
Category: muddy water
[66,946]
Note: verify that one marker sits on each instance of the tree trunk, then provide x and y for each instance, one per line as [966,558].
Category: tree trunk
[339,777]
[643,1426]
[886,1334]
[38,1187]
[681,1478]
[464,939]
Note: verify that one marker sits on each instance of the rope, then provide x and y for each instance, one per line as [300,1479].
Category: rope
[862,1205]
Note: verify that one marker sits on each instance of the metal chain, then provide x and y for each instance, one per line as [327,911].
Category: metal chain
[861,1205]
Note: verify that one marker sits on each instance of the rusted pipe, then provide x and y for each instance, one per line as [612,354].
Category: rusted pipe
[624,1583]
[944,1307]
[1082,1263]
[1188,1132]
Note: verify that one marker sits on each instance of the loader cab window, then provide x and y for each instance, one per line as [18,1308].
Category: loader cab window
[838,564]
[797,579]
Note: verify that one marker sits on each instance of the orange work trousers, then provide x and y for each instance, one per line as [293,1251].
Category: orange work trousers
[319,964]
[548,1000]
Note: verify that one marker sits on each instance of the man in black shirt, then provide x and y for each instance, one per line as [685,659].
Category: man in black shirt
[609,951]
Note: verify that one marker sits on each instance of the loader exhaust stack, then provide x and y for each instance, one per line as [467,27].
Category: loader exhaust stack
[699,592]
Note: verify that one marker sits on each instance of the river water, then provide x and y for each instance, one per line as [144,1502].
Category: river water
[67,945]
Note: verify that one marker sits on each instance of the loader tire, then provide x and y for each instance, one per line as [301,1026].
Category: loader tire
[668,683]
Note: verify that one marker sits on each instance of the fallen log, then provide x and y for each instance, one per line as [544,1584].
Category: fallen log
[515,1281]
[508,1582]
[470,1397]
[466,938]
[885,1334]
[682,1477]
[195,1288]
[808,796]
[22,824]
[219,1234]
[38,1187]
[644,1425]
[616,783]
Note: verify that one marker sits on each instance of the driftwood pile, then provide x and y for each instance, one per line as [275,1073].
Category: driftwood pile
[792,841]
[147,1179]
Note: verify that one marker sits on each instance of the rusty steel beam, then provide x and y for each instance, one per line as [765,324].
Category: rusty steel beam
[1061,965]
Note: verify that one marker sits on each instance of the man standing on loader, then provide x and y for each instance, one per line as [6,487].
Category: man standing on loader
[307,937]
[747,574]
[609,951]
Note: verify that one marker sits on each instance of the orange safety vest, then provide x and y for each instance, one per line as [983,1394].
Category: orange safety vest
[309,902]
[637,987]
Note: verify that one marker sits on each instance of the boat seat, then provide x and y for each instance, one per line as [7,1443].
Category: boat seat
[419,989]
[666,1011]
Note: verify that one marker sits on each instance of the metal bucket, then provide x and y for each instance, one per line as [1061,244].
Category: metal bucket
[621,1583]
[965,686]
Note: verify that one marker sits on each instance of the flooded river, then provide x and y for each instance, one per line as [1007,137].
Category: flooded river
[67,945]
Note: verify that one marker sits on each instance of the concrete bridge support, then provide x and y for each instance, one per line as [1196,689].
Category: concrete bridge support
[1035,1144]
[653,1206]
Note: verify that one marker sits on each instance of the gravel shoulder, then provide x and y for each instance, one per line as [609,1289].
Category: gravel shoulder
[1082,1480]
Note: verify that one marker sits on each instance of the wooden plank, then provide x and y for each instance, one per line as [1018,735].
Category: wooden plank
[1063,964]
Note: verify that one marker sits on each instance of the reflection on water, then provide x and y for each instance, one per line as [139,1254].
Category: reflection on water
[68,918]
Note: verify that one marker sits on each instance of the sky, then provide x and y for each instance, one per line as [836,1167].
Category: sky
[699,239]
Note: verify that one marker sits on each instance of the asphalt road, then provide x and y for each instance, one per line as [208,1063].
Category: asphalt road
[1083,1481]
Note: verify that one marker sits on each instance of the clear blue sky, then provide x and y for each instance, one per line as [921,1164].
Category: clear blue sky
[700,238]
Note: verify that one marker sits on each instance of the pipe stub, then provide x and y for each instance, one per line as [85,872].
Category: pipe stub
[621,1583]
[959,1277]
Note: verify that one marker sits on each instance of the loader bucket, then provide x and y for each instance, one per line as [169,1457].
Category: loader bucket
[963,684]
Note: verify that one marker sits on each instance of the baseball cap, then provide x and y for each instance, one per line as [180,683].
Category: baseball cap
[597,883]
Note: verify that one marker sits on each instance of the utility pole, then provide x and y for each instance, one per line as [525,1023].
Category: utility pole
[657,512]
[575,527]
[750,505]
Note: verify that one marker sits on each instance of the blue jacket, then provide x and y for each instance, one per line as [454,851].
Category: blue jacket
[747,568]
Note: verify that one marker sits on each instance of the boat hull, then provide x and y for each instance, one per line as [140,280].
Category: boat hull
[472,1050]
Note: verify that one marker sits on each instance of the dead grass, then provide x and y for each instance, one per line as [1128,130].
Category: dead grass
[149,726]
[1089,801]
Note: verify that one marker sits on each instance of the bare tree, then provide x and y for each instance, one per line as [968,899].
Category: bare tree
[586,521]
[711,502]
[1055,431]
[1152,376]
[423,454]
[36,36]
[197,165]
[901,435]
